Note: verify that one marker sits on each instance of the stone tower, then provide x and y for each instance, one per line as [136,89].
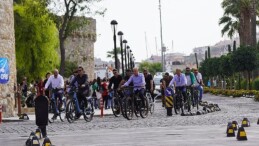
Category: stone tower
[80,46]
[7,50]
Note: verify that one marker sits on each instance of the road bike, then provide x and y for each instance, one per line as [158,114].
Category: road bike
[178,101]
[151,105]
[118,103]
[136,104]
[56,107]
[75,109]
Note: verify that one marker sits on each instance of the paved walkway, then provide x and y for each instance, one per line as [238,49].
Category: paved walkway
[97,112]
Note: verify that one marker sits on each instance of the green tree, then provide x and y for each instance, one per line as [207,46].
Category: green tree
[67,23]
[110,54]
[237,18]
[36,39]
[244,60]
[151,67]
[70,68]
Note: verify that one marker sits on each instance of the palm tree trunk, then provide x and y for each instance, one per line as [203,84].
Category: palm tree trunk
[253,23]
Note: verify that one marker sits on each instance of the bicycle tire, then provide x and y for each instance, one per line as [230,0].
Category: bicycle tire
[137,109]
[129,108]
[88,111]
[152,108]
[176,106]
[144,109]
[70,109]
[196,99]
[123,110]
[182,104]
[116,107]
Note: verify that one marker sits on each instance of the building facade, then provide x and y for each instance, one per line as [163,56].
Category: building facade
[7,50]
[80,46]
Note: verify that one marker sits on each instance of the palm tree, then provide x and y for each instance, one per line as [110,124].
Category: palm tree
[110,54]
[237,16]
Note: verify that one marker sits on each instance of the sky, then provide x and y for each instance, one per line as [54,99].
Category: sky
[186,24]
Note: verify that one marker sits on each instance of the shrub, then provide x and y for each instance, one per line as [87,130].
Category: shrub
[255,84]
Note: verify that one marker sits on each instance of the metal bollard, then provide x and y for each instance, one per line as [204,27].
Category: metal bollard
[101,104]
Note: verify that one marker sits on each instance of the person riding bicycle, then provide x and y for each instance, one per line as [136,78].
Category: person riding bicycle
[190,79]
[115,80]
[198,83]
[81,82]
[179,81]
[126,78]
[57,85]
[149,83]
[139,83]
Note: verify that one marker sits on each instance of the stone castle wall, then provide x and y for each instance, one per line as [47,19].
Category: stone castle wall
[80,46]
[7,49]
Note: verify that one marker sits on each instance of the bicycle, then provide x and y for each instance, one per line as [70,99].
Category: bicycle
[73,111]
[189,101]
[118,103]
[137,105]
[55,106]
[196,98]
[151,105]
[178,101]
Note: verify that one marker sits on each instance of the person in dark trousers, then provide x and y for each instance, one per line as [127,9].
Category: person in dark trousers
[41,110]
[83,86]
[149,83]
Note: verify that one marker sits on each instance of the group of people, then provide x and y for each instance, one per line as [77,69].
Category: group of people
[191,79]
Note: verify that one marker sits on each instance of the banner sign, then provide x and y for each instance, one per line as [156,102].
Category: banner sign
[4,70]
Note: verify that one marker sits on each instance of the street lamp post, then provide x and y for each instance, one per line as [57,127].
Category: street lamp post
[114,23]
[161,35]
[120,33]
[125,52]
[128,50]
[131,55]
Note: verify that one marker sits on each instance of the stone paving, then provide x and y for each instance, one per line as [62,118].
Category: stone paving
[231,109]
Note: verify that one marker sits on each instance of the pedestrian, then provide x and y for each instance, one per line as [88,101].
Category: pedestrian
[95,87]
[47,91]
[105,94]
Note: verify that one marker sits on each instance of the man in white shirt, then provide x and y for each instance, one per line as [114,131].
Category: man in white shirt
[57,84]
[198,82]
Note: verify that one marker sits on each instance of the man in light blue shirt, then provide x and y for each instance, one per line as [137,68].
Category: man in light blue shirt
[179,81]
[139,83]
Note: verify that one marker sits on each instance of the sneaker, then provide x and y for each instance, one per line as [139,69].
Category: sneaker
[54,117]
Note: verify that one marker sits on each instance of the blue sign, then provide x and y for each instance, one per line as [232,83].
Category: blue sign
[4,70]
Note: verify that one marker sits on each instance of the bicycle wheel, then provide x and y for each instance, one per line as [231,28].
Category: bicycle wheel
[151,107]
[144,109]
[122,104]
[196,102]
[129,108]
[176,105]
[137,108]
[181,103]
[88,111]
[52,116]
[70,111]
[116,107]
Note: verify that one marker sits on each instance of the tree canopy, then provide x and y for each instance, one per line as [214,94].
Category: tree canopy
[36,39]
[151,67]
